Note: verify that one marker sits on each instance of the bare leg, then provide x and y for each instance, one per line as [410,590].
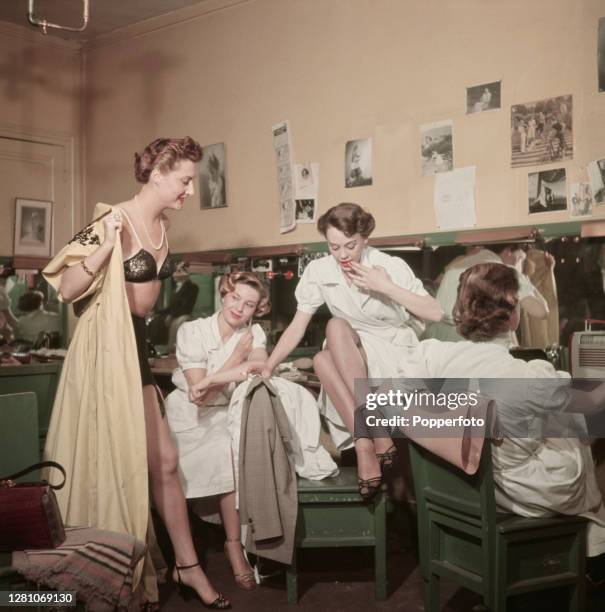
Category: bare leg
[350,363]
[233,546]
[168,495]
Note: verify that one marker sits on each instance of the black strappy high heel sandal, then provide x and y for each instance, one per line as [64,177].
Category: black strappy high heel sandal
[369,487]
[187,592]
[388,458]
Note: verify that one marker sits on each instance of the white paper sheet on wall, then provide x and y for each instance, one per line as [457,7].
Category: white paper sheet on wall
[285,184]
[454,199]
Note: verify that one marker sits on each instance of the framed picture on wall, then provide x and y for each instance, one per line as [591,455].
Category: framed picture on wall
[212,177]
[33,227]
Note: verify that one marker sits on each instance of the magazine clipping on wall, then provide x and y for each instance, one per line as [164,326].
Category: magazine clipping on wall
[580,197]
[358,163]
[482,98]
[436,147]
[212,176]
[547,191]
[306,188]
[541,132]
[596,178]
[283,158]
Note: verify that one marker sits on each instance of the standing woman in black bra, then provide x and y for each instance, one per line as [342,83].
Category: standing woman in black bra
[107,427]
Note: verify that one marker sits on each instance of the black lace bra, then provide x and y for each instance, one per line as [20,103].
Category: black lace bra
[142,266]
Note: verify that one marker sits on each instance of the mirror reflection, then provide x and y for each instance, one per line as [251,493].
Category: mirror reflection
[31,316]
[562,281]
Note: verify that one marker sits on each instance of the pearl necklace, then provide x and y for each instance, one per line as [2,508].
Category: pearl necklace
[162,237]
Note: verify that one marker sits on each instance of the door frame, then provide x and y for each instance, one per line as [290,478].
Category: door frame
[72,163]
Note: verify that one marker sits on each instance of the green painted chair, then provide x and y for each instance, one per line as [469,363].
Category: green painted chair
[463,539]
[332,514]
[19,448]
[42,379]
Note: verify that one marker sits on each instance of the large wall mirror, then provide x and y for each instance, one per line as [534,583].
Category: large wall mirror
[573,288]
[31,315]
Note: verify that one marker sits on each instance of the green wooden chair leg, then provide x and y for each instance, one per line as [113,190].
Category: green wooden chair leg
[292,580]
[431,587]
[380,553]
[577,595]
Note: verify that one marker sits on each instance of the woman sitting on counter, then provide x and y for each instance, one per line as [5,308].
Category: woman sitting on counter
[371,297]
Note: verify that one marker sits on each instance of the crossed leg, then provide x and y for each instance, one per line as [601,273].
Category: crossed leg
[338,365]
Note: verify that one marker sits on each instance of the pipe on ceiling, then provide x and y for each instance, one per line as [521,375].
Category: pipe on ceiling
[42,23]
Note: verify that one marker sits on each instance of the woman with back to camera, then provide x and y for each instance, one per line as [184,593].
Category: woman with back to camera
[534,475]
[107,427]
[370,296]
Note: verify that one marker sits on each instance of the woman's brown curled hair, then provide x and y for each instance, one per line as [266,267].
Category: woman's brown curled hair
[487,297]
[348,218]
[164,154]
[228,282]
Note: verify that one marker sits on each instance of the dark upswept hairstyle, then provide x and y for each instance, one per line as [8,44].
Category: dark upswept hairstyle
[164,154]
[348,218]
[228,281]
[487,297]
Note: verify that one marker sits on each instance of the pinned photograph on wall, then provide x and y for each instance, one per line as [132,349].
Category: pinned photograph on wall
[305,210]
[547,191]
[212,177]
[541,132]
[33,227]
[601,54]
[596,178]
[580,197]
[282,146]
[481,98]
[358,163]
[436,147]
[306,181]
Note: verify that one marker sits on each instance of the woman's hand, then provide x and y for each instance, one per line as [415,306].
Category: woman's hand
[198,392]
[374,279]
[549,260]
[252,367]
[113,227]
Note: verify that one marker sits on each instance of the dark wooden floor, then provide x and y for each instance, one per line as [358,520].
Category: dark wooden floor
[343,580]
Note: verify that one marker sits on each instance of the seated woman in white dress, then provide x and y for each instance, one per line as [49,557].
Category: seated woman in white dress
[214,354]
[534,476]
[371,296]
[223,344]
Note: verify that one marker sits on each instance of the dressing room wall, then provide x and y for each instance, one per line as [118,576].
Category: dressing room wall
[40,128]
[226,70]
[340,70]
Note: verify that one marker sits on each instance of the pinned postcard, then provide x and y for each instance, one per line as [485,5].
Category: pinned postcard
[285,182]
[306,180]
[581,199]
[436,147]
[596,178]
[454,199]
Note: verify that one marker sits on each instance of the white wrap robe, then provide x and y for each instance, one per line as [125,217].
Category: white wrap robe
[384,327]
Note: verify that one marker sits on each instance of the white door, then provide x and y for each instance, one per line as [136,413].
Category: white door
[37,171]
